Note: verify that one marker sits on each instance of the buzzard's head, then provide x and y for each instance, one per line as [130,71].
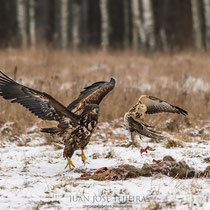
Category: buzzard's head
[142,99]
[141,108]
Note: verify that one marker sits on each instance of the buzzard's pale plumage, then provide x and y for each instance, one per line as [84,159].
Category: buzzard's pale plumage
[138,112]
[153,105]
[134,124]
[156,105]
[76,122]
[148,105]
[139,127]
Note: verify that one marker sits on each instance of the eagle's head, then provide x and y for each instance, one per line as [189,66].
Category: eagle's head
[91,110]
[89,117]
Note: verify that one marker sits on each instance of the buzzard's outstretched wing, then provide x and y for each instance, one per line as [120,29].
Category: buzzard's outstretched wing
[143,129]
[92,94]
[39,103]
[156,105]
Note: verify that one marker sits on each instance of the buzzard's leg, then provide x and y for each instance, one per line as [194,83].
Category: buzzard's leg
[82,155]
[134,141]
[69,163]
[143,120]
[146,123]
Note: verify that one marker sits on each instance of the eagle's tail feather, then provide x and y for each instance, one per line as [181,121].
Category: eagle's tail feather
[50,130]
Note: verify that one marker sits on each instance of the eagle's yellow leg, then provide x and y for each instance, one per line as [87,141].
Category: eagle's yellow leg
[69,163]
[82,155]
[140,136]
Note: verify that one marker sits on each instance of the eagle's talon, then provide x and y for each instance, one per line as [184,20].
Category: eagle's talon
[69,163]
[140,136]
[83,157]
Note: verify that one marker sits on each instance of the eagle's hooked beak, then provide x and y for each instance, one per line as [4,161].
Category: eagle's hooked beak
[96,110]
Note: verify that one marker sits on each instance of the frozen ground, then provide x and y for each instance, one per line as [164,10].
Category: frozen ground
[32,174]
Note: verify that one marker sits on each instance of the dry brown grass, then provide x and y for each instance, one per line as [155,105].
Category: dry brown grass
[47,70]
[170,143]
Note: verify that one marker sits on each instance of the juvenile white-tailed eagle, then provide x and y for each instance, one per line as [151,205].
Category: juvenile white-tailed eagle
[75,122]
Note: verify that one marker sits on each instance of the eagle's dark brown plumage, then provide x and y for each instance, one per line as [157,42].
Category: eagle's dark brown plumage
[75,122]
[92,94]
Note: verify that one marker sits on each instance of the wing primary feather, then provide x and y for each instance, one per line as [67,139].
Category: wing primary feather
[6,77]
[39,103]
[92,94]
[181,111]
[143,129]
[155,105]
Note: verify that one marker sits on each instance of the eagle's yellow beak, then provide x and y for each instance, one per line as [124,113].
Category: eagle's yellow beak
[96,110]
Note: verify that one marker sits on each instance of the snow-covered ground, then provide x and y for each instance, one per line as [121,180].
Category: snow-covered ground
[33,175]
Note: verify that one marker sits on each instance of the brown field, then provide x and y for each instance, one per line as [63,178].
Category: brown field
[31,163]
[63,74]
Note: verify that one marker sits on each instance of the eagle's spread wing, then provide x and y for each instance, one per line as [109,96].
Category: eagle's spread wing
[143,129]
[92,94]
[39,103]
[156,105]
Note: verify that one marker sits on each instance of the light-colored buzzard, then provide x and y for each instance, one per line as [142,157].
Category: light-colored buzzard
[134,125]
[147,105]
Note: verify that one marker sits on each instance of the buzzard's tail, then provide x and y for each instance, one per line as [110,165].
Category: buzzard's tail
[53,130]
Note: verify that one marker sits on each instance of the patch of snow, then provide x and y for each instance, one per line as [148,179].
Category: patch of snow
[192,84]
[32,129]
[196,84]
[65,86]
[33,176]
[6,126]
[98,67]
[26,82]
